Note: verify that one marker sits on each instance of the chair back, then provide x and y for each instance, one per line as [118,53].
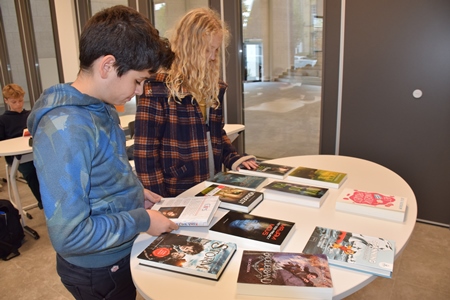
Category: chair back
[131,129]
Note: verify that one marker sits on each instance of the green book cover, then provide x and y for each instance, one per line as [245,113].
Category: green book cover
[320,177]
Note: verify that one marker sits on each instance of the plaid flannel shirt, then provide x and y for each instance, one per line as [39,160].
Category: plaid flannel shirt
[171,148]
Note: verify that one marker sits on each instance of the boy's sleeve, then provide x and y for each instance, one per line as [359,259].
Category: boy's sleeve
[64,149]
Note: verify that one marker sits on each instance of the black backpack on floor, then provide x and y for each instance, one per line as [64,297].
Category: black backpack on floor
[11,231]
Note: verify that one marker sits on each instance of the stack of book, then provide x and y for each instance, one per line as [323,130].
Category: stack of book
[254,231]
[284,274]
[234,198]
[189,255]
[268,170]
[189,211]
[372,204]
[306,195]
[247,182]
[374,255]
[317,177]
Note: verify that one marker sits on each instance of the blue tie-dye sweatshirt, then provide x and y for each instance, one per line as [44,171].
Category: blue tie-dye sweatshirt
[93,202]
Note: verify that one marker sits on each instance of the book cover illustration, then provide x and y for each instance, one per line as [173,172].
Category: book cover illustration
[268,170]
[297,189]
[233,197]
[187,254]
[296,193]
[265,230]
[318,176]
[372,204]
[374,255]
[189,211]
[261,270]
[247,182]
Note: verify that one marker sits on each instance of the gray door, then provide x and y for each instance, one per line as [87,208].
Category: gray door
[396,94]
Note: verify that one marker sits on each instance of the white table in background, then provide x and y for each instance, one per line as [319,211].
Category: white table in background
[233,130]
[362,174]
[14,147]
[125,120]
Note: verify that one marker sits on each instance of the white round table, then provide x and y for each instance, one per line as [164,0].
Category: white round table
[362,174]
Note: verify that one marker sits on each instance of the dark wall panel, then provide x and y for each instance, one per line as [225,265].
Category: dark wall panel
[332,19]
[393,48]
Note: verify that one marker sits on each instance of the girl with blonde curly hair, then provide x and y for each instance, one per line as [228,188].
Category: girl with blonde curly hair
[179,136]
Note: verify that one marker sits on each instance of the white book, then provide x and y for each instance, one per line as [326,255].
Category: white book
[189,211]
[351,250]
[372,204]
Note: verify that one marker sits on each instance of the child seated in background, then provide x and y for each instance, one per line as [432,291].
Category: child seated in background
[13,122]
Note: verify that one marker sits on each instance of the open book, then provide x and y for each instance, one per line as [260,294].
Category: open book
[189,211]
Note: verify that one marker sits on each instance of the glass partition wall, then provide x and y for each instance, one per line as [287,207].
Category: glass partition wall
[166,13]
[281,67]
[282,45]
[28,49]
[279,61]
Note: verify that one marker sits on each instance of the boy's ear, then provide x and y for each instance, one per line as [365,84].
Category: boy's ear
[107,65]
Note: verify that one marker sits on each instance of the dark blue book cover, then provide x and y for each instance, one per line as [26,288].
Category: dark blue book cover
[266,231]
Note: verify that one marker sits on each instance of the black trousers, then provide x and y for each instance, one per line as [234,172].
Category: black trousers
[29,174]
[111,282]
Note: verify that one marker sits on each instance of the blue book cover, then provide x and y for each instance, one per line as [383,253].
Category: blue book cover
[260,232]
[247,182]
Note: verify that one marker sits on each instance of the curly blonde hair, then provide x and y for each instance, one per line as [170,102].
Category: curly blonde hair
[192,73]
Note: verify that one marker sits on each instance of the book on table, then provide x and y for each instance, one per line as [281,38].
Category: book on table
[306,195]
[189,255]
[317,177]
[372,204]
[233,198]
[284,274]
[246,182]
[373,255]
[265,169]
[189,211]
[253,231]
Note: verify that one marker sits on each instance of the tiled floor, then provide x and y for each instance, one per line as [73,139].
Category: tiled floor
[421,272]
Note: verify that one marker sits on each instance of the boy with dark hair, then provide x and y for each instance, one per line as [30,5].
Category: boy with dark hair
[94,204]
[12,125]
